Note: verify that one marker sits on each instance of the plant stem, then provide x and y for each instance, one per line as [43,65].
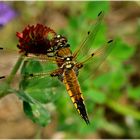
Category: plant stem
[14,70]
[113,128]
[5,86]
[124,110]
[38,133]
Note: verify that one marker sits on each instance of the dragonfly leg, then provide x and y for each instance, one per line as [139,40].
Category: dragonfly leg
[79,65]
[58,73]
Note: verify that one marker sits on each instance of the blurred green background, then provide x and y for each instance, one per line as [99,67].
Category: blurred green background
[112,98]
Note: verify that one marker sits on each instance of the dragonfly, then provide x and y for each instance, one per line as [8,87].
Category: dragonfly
[59,52]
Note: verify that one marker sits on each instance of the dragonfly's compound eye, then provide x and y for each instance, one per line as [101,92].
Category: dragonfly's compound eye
[62,42]
[59,42]
[58,36]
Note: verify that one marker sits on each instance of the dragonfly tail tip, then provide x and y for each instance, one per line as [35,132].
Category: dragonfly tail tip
[87,120]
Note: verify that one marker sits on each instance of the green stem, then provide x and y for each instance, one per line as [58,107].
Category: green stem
[124,110]
[5,86]
[14,70]
[112,128]
[38,133]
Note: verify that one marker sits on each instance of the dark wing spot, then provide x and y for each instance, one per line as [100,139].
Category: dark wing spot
[99,14]
[88,32]
[1,48]
[110,41]
[2,77]
[92,54]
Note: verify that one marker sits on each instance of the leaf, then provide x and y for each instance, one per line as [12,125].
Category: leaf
[28,110]
[31,66]
[94,7]
[126,110]
[44,96]
[39,82]
[134,93]
[113,80]
[122,50]
[34,110]
[102,80]
[97,96]
[42,89]
[118,79]
[36,113]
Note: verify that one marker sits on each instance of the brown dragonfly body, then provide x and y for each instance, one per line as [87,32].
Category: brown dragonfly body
[73,88]
[67,73]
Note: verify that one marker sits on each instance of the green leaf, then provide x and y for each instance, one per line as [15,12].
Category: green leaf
[40,83]
[113,80]
[134,93]
[118,79]
[36,113]
[28,110]
[126,110]
[44,96]
[41,89]
[94,7]
[24,96]
[122,50]
[112,128]
[34,110]
[103,80]
[97,96]
[31,66]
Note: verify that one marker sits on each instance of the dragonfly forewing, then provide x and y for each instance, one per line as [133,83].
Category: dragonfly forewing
[90,37]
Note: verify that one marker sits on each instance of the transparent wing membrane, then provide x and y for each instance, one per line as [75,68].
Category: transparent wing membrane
[101,53]
[98,57]
[11,56]
[36,75]
[41,58]
[90,37]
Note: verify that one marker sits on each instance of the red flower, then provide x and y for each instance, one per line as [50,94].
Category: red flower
[35,39]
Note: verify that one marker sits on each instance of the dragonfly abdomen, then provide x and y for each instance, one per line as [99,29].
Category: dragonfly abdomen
[74,91]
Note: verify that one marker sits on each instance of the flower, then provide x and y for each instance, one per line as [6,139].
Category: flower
[35,39]
[6,13]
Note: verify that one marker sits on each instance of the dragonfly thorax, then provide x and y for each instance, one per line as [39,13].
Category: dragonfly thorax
[68,63]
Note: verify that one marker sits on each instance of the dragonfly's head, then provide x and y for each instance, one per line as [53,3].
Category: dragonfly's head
[59,42]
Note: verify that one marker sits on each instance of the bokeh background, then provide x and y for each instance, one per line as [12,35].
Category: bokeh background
[112,98]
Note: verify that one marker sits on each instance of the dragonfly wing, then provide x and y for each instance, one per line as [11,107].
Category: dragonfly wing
[16,54]
[90,37]
[98,57]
